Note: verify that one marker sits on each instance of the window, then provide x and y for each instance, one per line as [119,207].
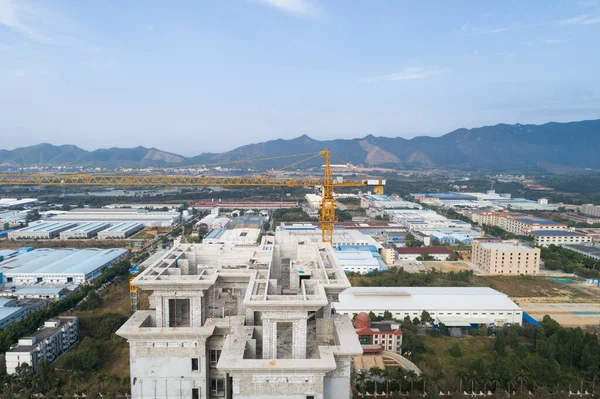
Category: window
[69,279]
[179,312]
[310,396]
[217,386]
[365,339]
[39,279]
[195,364]
[195,393]
[214,355]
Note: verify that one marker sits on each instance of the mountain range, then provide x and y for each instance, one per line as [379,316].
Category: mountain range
[491,148]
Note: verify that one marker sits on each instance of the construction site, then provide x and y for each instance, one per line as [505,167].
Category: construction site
[242,322]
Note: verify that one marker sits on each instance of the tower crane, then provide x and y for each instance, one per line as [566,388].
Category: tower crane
[327,217]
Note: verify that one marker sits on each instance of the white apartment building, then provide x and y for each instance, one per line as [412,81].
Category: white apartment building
[55,338]
[506,257]
[242,322]
[592,210]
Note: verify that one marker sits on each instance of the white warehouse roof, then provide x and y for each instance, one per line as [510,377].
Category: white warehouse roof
[423,298]
[62,261]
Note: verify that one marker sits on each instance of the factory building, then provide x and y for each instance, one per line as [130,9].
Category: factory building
[59,266]
[41,230]
[10,202]
[506,257]
[83,231]
[543,238]
[383,202]
[49,342]
[270,205]
[10,313]
[360,261]
[243,323]
[588,251]
[113,216]
[452,306]
[120,231]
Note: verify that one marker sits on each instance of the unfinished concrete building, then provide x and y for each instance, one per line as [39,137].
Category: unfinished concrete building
[242,322]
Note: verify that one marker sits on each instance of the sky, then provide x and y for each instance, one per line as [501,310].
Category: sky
[207,76]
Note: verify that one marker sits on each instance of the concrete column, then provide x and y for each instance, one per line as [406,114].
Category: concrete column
[159,311]
[196,311]
[249,316]
[165,307]
[299,339]
[327,311]
[269,339]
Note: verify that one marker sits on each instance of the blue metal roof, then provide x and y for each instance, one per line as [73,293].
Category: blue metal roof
[532,220]
[556,233]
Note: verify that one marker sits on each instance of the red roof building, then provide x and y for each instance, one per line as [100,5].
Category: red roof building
[376,337]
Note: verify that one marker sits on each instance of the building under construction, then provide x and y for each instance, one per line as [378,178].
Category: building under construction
[242,322]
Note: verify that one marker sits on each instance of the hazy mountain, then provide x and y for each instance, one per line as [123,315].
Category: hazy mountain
[499,147]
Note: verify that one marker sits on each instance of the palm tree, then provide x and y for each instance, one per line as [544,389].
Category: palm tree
[361,381]
[101,379]
[411,377]
[522,378]
[462,375]
[376,374]
[397,377]
[387,375]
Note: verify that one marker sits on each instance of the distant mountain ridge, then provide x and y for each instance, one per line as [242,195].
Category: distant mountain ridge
[495,148]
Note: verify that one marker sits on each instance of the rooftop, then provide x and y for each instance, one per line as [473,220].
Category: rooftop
[502,246]
[6,311]
[60,261]
[43,333]
[420,298]
[121,227]
[46,226]
[86,227]
[555,233]
[534,220]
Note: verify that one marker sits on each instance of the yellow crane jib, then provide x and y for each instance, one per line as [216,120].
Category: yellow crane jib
[327,217]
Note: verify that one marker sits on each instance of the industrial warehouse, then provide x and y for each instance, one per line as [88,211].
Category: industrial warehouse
[41,230]
[59,266]
[86,230]
[452,306]
[145,217]
[120,231]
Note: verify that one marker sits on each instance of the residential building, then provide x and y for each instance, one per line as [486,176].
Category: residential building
[412,253]
[388,254]
[55,338]
[523,225]
[592,210]
[242,322]
[376,337]
[453,306]
[543,238]
[506,257]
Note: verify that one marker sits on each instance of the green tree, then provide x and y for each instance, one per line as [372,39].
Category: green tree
[32,216]
[455,351]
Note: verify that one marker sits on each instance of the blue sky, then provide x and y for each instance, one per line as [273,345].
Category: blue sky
[196,76]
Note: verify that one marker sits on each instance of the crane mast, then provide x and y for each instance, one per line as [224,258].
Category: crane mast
[327,217]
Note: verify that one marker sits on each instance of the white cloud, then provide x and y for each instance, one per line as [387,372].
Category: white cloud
[407,73]
[298,7]
[17,16]
[584,19]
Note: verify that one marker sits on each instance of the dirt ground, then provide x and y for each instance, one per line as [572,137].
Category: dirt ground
[447,266]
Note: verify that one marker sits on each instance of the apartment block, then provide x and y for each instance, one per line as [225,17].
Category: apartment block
[592,210]
[506,257]
[52,340]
